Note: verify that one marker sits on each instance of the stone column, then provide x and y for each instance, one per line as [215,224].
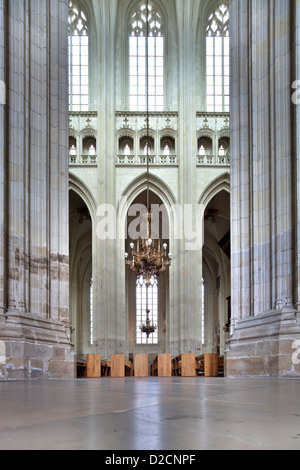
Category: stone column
[240,165]
[34,255]
[296,109]
[3,303]
[263,218]
[58,176]
[111,335]
[185,314]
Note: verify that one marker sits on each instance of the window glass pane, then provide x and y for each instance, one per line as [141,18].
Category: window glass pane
[75,41]
[84,40]
[76,99]
[84,100]
[84,81]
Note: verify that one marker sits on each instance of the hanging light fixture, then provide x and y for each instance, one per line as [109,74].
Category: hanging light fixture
[149,257]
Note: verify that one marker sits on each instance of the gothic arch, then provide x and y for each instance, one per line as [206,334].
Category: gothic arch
[87,8]
[157,186]
[222,182]
[135,188]
[80,188]
[126,9]
[209,8]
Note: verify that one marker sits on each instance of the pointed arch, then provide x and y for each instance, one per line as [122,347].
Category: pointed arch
[157,186]
[222,182]
[138,186]
[80,188]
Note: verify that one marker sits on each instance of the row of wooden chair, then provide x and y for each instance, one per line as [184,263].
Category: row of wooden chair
[185,365]
[116,367]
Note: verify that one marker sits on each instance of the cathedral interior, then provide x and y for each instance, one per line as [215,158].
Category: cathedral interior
[150,212]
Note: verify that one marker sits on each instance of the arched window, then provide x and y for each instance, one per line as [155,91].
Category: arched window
[78,59]
[146,59]
[141,309]
[217,60]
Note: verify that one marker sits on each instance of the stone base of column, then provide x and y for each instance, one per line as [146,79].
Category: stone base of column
[265,346]
[34,348]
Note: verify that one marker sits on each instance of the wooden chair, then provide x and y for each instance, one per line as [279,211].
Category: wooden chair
[104,369]
[184,365]
[117,366]
[129,369]
[81,368]
[93,366]
[221,366]
[200,365]
[211,365]
[162,366]
[141,365]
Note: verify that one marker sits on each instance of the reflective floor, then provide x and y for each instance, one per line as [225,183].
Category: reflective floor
[150,414]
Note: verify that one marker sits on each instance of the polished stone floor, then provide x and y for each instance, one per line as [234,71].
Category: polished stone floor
[150,414]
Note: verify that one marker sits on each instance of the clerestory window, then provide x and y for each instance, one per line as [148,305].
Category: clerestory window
[217,60]
[78,59]
[146,59]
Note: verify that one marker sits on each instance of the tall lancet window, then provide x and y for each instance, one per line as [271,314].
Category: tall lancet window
[78,59]
[217,60]
[145,31]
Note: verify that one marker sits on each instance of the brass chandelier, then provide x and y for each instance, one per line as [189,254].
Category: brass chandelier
[149,257]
